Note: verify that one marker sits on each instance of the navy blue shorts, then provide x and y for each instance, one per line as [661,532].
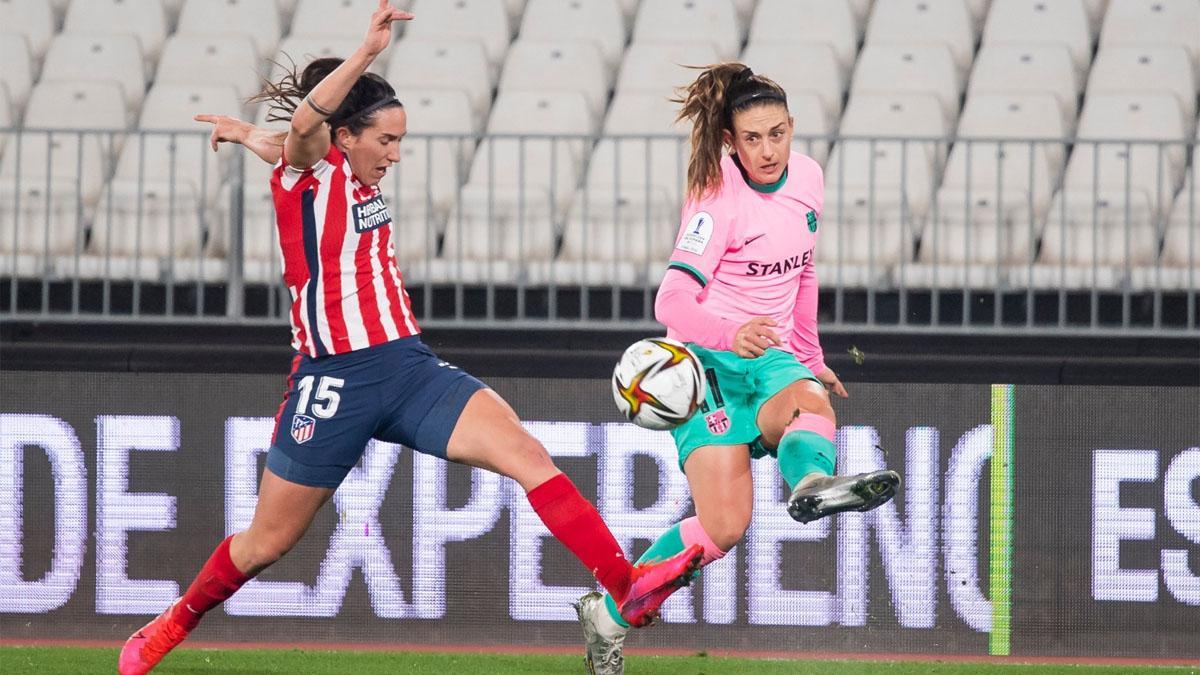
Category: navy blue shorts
[398,392]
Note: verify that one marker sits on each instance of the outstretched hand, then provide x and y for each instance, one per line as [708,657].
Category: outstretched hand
[226,129]
[832,383]
[379,34]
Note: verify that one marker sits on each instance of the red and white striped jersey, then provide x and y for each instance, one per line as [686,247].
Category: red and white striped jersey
[339,261]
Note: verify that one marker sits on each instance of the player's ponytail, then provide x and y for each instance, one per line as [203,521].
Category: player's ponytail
[369,94]
[709,103]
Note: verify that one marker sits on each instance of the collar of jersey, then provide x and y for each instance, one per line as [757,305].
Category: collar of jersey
[765,188]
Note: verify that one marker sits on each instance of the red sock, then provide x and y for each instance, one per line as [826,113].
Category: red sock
[217,580]
[577,524]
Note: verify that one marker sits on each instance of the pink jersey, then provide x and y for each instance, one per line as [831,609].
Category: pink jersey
[750,250]
[338,259]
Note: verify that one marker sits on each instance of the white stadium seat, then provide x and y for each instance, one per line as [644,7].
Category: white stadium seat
[1151,163]
[1181,240]
[831,22]
[482,20]
[1149,69]
[1062,22]
[1029,69]
[559,65]
[714,21]
[32,18]
[39,221]
[17,74]
[1101,230]
[908,21]
[915,69]
[302,50]
[436,166]
[256,19]
[64,154]
[116,58]
[444,64]
[660,67]
[518,188]
[599,21]
[812,126]
[145,19]
[620,158]
[343,19]
[210,60]
[1153,23]
[801,68]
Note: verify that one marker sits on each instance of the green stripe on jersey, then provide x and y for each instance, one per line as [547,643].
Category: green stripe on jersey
[684,267]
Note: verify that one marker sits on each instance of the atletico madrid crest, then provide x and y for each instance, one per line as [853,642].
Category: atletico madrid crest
[302,428]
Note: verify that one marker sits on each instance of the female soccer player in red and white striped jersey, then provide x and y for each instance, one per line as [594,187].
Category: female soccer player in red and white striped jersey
[361,370]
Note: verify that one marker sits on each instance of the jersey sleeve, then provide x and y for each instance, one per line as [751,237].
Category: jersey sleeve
[705,232]
[804,339]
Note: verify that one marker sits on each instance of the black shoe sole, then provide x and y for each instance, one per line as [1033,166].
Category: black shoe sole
[874,489]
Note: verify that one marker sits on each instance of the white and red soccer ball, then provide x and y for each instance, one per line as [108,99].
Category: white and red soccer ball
[658,383]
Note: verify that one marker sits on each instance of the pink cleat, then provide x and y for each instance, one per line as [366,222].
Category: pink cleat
[145,648]
[654,582]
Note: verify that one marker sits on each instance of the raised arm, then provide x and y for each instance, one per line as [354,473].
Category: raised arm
[268,145]
[308,139]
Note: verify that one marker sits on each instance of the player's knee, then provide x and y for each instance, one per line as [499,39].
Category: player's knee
[263,551]
[728,529]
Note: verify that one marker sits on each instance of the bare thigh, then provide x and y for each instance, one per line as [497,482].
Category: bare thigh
[723,491]
[281,517]
[489,435]
[802,396]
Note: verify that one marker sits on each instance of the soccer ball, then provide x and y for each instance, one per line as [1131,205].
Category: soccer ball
[657,383]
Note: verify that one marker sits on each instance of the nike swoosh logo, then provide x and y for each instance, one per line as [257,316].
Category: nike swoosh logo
[754,238]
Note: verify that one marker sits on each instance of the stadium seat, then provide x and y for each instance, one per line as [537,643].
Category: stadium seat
[801,68]
[812,128]
[1181,240]
[137,231]
[1106,230]
[599,21]
[1153,23]
[621,237]
[891,181]
[436,166]
[39,221]
[302,50]
[17,74]
[444,64]
[55,142]
[1150,69]
[32,18]
[660,67]
[830,22]
[1029,69]
[174,144]
[690,20]
[558,66]
[626,163]
[482,20]
[256,19]
[145,19]
[116,58]
[911,68]
[341,19]
[907,21]
[1037,22]
[210,60]
[519,188]
[1152,160]
[1010,116]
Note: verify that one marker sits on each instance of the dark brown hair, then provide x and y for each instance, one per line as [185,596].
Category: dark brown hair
[369,94]
[709,103]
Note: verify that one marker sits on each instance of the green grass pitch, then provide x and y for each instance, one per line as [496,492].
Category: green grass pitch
[47,660]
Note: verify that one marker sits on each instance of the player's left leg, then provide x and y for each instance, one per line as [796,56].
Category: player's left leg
[799,423]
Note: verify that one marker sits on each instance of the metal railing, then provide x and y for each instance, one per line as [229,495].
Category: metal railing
[982,234]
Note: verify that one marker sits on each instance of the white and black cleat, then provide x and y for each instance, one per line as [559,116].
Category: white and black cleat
[827,495]
[603,655]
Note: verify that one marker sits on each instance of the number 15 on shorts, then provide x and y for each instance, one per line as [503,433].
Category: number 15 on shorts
[325,399]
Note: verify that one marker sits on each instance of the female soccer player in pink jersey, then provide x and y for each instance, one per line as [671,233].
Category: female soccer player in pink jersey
[741,291]
[361,370]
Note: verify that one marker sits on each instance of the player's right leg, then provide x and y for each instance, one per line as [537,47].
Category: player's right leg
[488,434]
[723,491]
[282,515]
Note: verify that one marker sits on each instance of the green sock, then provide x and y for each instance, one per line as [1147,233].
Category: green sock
[803,452]
[668,544]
